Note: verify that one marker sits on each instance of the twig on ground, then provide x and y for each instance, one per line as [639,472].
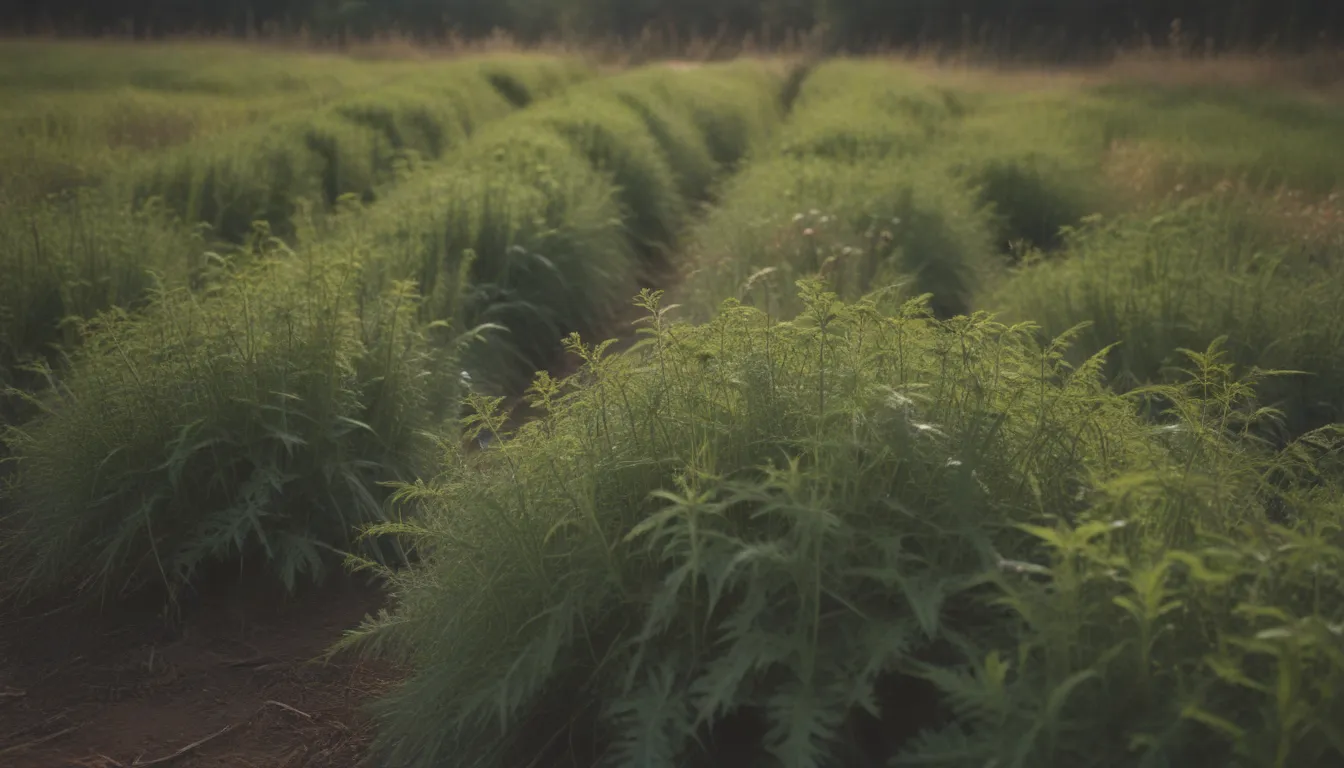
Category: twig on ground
[179,753]
[286,707]
[35,727]
[97,760]
[38,741]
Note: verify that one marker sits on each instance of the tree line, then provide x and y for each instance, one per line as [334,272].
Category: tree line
[1067,25]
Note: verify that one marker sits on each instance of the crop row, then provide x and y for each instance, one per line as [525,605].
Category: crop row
[257,418]
[156,220]
[810,532]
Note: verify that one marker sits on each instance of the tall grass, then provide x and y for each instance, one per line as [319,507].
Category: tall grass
[845,193]
[863,538]
[253,422]
[355,146]
[862,226]
[251,426]
[81,113]
[526,237]
[72,258]
[1180,276]
[567,206]
[1203,135]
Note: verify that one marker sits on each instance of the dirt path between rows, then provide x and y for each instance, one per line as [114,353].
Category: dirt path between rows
[238,685]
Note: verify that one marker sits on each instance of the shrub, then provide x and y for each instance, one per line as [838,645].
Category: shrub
[72,257]
[863,227]
[1034,197]
[352,147]
[561,208]
[528,238]
[680,140]
[735,106]
[1167,279]
[844,196]
[249,427]
[800,543]
[261,175]
[615,141]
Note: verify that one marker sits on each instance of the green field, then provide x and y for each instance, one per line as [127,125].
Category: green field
[968,418]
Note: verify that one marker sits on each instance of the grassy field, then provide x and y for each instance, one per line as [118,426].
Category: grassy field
[969,418]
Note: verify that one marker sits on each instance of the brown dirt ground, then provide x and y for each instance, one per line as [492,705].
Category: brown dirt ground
[125,690]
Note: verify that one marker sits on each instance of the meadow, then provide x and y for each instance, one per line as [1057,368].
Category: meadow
[767,412]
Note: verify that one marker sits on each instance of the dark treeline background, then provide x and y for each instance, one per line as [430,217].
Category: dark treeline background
[1026,25]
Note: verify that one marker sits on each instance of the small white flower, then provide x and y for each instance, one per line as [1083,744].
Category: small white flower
[814,212]
[797,217]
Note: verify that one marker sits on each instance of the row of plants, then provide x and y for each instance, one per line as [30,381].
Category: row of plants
[847,191]
[354,146]
[890,531]
[1211,213]
[253,422]
[1057,205]
[1179,275]
[79,113]
[867,537]
[93,249]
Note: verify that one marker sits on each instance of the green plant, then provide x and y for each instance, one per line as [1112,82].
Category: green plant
[528,239]
[862,227]
[750,541]
[248,427]
[1178,277]
[69,258]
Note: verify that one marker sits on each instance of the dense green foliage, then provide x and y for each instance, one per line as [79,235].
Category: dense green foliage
[256,419]
[887,178]
[841,517]
[254,422]
[567,206]
[79,114]
[1175,278]
[101,247]
[353,147]
[840,195]
[812,533]
[798,544]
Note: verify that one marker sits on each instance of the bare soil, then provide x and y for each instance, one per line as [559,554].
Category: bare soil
[238,683]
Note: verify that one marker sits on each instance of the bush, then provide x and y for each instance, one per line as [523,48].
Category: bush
[248,427]
[1034,198]
[561,209]
[680,140]
[255,421]
[735,106]
[801,543]
[845,196]
[863,227]
[354,147]
[262,175]
[617,142]
[1173,278]
[859,111]
[72,257]
[529,239]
